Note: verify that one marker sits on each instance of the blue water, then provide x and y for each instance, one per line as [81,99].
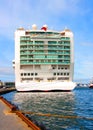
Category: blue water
[76,103]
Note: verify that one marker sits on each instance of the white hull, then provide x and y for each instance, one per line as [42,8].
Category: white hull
[45,86]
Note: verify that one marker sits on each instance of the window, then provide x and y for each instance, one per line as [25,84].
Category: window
[54,73]
[45,56]
[28,74]
[57,73]
[59,60]
[35,73]
[24,74]
[21,74]
[32,74]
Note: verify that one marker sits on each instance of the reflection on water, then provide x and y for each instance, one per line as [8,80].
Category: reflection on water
[45,102]
[53,103]
[76,103]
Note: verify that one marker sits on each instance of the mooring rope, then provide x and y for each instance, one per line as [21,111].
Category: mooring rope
[57,116]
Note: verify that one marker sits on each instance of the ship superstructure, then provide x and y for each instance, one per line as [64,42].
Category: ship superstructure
[44,59]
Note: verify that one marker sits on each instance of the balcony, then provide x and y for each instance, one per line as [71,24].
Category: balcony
[65,38]
[33,62]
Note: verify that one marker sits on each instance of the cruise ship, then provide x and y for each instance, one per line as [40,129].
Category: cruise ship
[44,59]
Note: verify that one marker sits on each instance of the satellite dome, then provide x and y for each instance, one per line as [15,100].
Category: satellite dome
[34,26]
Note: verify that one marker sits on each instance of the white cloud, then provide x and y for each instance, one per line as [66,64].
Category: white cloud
[13,13]
[6,73]
[63,6]
[84,66]
[6,70]
[87,44]
[88,67]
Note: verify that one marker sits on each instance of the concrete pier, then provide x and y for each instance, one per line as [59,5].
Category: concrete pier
[10,121]
[6,90]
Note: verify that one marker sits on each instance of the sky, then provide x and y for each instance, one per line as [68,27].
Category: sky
[77,15]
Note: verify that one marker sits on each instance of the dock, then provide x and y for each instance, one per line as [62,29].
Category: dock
[10,121]
[13,119]
[6,90]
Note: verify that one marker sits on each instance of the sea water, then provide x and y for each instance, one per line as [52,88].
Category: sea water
[66,110]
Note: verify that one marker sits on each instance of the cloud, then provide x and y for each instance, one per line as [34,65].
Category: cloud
[62,6]
[26,12]
[87,44]
[7,70]
[6,73]
[55,13]
[84,66]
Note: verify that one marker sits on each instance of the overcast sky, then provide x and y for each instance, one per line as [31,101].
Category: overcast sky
[77,15]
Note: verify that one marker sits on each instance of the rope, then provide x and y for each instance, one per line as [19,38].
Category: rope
[57,116]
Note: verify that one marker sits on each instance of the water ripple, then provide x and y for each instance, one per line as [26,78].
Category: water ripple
[77,103]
